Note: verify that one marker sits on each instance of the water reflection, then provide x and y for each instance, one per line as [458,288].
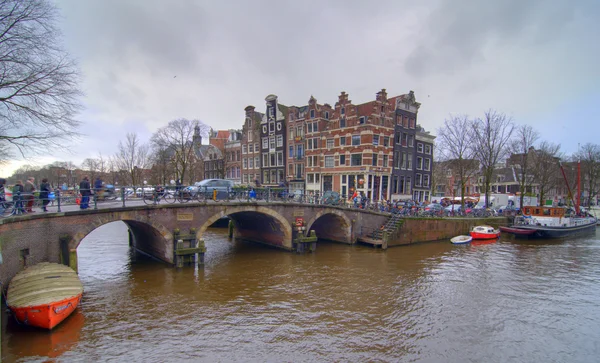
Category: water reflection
[506,300]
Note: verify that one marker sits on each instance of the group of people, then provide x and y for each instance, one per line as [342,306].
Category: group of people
[23,194]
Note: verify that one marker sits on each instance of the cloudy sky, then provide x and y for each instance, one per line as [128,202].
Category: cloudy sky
[147,62]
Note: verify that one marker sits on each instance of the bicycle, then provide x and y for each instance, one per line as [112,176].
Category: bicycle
[8,209]
[154,197]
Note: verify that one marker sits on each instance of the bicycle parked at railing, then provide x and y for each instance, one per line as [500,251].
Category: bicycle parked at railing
[154,196]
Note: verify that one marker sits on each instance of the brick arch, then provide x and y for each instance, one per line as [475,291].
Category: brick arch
[284,223]
[348,223]
[102,219]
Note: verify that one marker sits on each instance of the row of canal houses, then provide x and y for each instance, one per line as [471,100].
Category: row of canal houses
[376,148]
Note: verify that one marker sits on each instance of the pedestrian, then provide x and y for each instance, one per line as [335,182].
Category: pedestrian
[44,194]
[29,188]
[2,195]
[98,192]
[84,190]
[18,197]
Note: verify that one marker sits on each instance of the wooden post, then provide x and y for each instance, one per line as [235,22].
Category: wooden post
[179,259]
[73,260]
[230,228]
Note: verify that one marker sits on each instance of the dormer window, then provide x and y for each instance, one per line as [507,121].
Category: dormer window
[361,120]
[343,111]
[326,115]
[312,113]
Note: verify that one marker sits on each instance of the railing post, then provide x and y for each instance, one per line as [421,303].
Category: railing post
[268,193]
[57,195]
[95,200]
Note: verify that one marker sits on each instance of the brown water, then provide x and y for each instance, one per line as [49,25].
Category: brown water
[508,301]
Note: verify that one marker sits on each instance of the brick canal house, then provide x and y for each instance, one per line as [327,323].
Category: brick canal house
[233,157]
[250,144]
[343,148]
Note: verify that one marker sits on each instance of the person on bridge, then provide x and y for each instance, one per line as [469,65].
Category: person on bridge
[18,197]
[44,193]
[84,190]
[29,188]
[98,188]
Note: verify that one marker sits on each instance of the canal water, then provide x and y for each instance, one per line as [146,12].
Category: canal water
[508,301]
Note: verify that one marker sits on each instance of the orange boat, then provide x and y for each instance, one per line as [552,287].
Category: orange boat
[43,295]
[484,232]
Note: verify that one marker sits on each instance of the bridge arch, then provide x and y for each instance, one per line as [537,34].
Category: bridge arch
[146,235]
[331,224]
[255,223]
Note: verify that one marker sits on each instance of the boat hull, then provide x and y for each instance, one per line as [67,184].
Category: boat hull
[46,316]
[459,240]
[559,232]
[517,231]
[481,235]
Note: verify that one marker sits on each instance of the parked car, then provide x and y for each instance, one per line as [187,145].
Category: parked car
[207,186]
[433,207]
[453,208]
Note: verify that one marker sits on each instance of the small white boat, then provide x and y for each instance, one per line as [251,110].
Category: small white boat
[461,239]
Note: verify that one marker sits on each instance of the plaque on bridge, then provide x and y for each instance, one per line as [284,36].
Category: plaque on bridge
[298,213]
[185,216]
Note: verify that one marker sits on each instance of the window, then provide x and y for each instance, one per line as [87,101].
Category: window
[356,159]
[316,126]
[385,161]
[374,160]
[409,167]
[256,163]
[279,126]
[279,140]
[250,135]
[272,143]
[330,143]
[299,170]
[361,120]
[264,129]
[427,165]
[411,140]
[271,127]
[428,149]
[419,163]
[329,162]
[300,131]
[419,147]
[398,136]
[342,122]
[326,115]
[343,160]
[312,113]
[412,123]
[403,160]
[386,141]
[404,140]
[251,163]
[244,149]
[418,180]
[291,152]
[312,144]
[426,180]
[245,162]
[343,141]
[273,160]
[280,158]
[343,111]
[265,159]
[291,134]
[309,127]
[355,140]
[310,178]
[250,149]
[256,148]
[265,142]
[300,151]
[375,139]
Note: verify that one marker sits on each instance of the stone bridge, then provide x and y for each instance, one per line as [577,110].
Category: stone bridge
[156,230]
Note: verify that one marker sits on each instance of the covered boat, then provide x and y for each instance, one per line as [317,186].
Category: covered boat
[484,232]
[552,222]
[43,295]
[461,239]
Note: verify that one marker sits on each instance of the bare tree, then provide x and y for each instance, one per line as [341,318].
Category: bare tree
[162,172]
[456,148]
[178,139]
[38,81]
[545,168]
[491,136]
[589,156]
[132,158]
[90,165]
[521,147]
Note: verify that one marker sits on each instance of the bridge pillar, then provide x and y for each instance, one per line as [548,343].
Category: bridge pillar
[306,243]
[187,248]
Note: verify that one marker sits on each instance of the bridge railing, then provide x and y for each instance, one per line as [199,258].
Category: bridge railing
[60,200]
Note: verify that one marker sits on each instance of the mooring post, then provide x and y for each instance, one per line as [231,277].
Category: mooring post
[179,258]
[230,228]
